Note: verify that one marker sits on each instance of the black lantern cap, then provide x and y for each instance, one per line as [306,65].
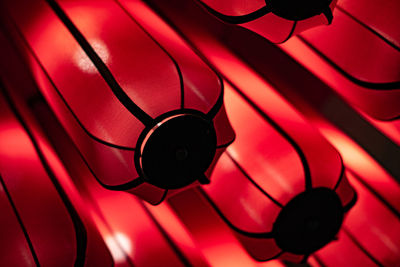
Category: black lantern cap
[294,10]
[300,9]
[177,150]
[309,221]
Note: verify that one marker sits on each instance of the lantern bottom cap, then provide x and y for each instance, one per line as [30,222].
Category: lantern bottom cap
[177,151]
[309,221]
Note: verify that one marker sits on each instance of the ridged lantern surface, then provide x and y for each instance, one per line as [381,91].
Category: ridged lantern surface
[146,113]
[280,186]
[276,20]
[42,223]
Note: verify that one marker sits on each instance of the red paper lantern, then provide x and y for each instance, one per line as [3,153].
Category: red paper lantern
[278,181]
[276,20]
[146,113]
[364,70]
[42,221]
[120,218]
[282,190]
[370,234]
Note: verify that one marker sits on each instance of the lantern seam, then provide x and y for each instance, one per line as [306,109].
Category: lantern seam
[24,231]
[108,77]
[253,182]
[230,224]
[387,86]
[79,227]
[92,136]
[240,19]
[182,85]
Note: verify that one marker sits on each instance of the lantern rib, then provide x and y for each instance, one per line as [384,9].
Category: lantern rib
[296,147]
[359,245]
[62,97]
[162,198]
[79,227]
[233,227]
[119,93]
[240,19]
[253,182]
[182,86]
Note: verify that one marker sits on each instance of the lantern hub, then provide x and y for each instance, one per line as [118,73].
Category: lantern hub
[177,150]
[309,221]
[299,9]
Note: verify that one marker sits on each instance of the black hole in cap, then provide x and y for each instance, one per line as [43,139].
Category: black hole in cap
[177,151]
[309,221]
[298,9]
[181,154]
